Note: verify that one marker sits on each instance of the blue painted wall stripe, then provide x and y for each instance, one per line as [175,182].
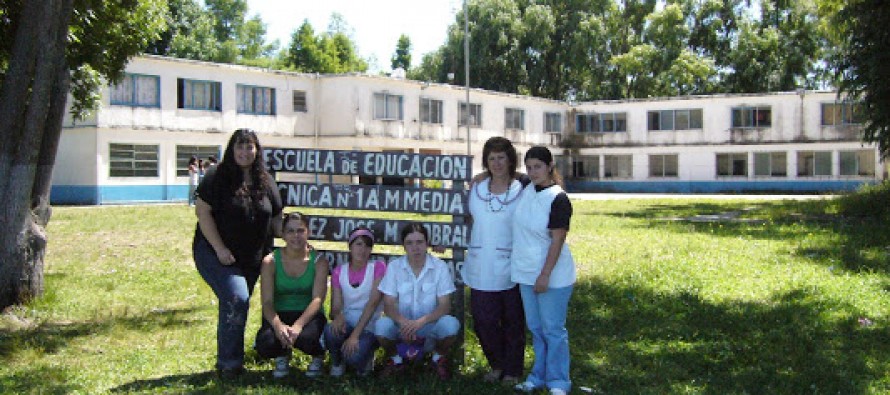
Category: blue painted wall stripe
[88,195]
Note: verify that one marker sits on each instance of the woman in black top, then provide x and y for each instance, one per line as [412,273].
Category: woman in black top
[236,203]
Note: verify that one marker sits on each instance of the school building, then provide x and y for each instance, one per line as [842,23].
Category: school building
[135,146]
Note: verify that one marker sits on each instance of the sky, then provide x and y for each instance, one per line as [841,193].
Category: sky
[377,24]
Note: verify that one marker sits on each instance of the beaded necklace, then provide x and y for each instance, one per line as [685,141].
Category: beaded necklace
[490,197]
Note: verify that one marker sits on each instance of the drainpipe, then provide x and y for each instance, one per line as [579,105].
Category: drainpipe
[316,119]
[801,121]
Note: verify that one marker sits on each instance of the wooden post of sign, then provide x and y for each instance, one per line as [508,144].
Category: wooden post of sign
[458,254]
[454,202]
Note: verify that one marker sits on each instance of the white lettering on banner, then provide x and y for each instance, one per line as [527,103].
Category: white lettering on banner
[440,234]
[362,197]
[316,227]
[303,161]
[348,224]
[308,195]
[414,166]
[387,164]
[391,231]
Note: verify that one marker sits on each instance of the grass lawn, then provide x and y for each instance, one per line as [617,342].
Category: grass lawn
[783,297]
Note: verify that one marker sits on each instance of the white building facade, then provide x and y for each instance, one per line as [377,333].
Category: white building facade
[136,145]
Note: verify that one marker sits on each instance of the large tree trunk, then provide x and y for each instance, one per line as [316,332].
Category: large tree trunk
[32,101]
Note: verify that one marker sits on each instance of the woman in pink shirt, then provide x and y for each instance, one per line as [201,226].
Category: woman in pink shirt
[355,307]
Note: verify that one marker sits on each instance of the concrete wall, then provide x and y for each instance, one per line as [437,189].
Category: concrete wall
[340,115]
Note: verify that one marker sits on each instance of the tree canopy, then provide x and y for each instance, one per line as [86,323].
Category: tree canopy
[402,56]
[329,52]
[219,31]
[861,62]
[611,49]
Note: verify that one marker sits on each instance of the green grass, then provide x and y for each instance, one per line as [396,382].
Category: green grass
[769,303]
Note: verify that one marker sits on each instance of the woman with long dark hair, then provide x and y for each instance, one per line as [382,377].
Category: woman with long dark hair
[293,290]
[236,204]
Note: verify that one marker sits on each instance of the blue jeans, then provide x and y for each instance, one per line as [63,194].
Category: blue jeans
[545,315]
[445,326]
[367,343]
[233,286]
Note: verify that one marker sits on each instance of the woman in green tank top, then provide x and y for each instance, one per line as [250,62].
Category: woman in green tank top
[293,288]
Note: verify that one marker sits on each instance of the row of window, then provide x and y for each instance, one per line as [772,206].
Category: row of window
[141,160]
[144,91]
[858,163]
[389,107]
[833,114]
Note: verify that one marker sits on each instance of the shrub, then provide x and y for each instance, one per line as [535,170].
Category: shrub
[869,201]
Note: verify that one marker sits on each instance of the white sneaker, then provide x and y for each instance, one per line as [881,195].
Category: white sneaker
[314,369]
[557,391]
[282,367]
[338,370]
[525,386]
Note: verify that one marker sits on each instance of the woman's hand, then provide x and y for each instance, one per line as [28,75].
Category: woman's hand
[350,346]
[225,256]
[283,334]
[409,328]
[542,283]
[478,178]
[338,325]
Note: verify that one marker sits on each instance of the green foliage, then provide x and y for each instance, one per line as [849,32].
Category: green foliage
[429,69]
[608,49]
[862,64]
[103,35]
[189,33]
[331,52]
[871,201]
[219,32]
[402,57]
[770,302]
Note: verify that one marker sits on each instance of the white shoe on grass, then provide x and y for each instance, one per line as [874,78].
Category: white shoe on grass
[525,386]
[338,370]
[314,369]
[282,367]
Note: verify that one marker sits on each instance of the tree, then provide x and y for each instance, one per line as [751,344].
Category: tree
[614,49]
[429,69]
[49,48]
[228,17]
[217,33]
[402,56]
[189,33]
[862,65]
[327,53]
[304,52]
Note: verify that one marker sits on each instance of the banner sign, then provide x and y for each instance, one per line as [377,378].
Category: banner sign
[337,258]
[386,231]
[374,198]
[366,163]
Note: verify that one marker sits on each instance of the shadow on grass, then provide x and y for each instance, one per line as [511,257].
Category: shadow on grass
[48,338]
[38,379]
[628,340]
[414,381]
